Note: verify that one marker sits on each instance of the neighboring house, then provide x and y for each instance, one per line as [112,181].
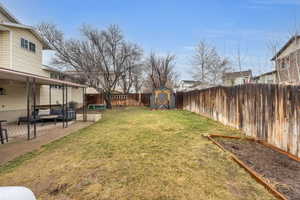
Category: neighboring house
[237,78]
[266,78]
[20,60]
[185,85]
[287,61]
[90,90]
[189,85]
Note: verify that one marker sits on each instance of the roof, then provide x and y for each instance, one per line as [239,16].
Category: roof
[265,74]
[191,81]
[50,69]
[31,29]
[8,74]
[231,75]
[7,14]
[291,40]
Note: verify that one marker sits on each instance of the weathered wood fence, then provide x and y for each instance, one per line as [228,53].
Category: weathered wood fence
[131,100]
[268,112]
[121,99]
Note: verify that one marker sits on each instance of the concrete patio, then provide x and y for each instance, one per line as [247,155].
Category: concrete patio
[20,131]
[19,145]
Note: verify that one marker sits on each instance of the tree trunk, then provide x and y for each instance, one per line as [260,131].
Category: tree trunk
[107,99]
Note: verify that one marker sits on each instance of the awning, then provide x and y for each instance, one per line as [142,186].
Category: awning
[8,74]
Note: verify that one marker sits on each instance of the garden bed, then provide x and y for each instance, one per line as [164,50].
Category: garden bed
[282,171]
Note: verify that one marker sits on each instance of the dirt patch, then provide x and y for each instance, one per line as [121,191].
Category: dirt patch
[282,171]
[58,189]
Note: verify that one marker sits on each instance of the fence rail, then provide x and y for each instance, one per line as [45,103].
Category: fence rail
[267,112]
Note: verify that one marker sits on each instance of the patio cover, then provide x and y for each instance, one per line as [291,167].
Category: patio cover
[8,74]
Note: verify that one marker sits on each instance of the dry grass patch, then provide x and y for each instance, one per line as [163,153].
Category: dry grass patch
[136,154]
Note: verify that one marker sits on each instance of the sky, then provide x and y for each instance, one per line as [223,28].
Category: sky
[176,26]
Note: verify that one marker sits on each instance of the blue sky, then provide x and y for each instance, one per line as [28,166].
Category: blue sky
[173,26]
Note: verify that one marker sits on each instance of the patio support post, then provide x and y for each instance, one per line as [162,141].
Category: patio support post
[34,108]
[63,105]
[84,111]
[67,117]
[28,88]
[50,100]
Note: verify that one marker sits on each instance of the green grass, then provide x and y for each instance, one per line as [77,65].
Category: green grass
[136,154]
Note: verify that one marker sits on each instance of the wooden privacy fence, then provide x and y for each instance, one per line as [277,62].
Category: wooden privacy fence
[131,100]
[121,99]
[267,112]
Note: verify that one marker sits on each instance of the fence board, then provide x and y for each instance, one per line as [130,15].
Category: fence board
[267,112]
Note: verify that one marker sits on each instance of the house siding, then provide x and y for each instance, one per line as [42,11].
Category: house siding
[3,18]
[4,49]
[290,74]
[13,104]
[25,60]
[294,46]
[74,94]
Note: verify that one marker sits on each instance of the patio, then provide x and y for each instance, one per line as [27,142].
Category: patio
[22,101]
[18,144]
[20,131]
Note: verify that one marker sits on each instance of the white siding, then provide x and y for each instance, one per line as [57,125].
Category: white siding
[14,103]
[25,60]
[295,45]
[3,18]
[4,49]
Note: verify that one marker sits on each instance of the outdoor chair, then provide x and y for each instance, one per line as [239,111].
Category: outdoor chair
[71,115]
[4,135]
[31,118]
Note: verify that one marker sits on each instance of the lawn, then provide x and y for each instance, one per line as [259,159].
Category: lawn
[136,154]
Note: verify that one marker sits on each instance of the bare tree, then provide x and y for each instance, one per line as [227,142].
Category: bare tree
[160,71]
[131,79]
[273,46]
[209,66]
[101,57]
[139,79]
[239,58]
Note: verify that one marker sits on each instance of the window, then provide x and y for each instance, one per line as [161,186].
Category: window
[2,92]
[31,47]
[24,43]
[56,86]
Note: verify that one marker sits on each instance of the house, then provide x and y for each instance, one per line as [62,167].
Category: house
[237,78]
[287,61]
[189,85]
[22,77]
[185,85]
[74,93]
[266,78]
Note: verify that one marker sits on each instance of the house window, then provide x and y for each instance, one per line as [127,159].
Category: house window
[24,43]
[56,86]
[31,47]
[2,91]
